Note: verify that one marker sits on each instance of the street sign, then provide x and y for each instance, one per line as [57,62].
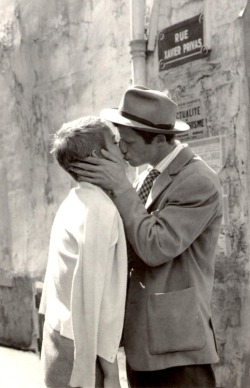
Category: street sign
[181,43]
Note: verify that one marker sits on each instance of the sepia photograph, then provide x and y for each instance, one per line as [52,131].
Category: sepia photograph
[124,194]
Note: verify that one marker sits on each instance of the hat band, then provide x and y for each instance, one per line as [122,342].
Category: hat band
[145,122]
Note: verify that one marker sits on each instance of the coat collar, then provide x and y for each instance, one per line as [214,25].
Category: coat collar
[164,179]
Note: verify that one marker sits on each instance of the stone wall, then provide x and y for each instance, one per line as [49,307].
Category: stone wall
[219,81]
[59,60]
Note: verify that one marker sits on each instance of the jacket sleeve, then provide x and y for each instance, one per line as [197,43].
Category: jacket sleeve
[87,291]
[185,211]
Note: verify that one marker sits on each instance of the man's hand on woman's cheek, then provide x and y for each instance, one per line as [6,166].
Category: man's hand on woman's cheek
[110,174]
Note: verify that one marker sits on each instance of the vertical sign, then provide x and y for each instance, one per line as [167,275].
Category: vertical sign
[192,112]
[181,43]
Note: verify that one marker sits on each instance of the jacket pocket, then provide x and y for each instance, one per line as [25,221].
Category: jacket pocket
[174,322]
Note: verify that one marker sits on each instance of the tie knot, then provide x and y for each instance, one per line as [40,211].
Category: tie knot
[153,174]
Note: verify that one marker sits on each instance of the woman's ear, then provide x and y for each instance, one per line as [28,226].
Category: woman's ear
[95,154]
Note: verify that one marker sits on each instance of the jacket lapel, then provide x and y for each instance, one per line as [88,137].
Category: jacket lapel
[164,179]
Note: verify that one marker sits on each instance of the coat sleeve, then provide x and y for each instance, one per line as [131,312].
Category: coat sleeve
[87,291]
[186,210]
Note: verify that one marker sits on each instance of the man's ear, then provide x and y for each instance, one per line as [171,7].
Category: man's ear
[160,138]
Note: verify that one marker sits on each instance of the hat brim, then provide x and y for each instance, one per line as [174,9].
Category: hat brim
[115,117]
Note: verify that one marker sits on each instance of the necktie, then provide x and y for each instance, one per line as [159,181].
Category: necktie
[147,184]
[143,194]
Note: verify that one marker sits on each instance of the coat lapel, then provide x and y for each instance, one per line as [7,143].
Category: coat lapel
[164,179]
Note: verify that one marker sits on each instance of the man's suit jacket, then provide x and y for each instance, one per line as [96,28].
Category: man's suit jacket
[168,318]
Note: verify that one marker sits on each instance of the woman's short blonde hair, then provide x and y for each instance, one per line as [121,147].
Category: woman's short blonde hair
[77,139]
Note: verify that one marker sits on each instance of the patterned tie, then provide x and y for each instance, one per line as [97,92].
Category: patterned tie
[143,194]
[147,184]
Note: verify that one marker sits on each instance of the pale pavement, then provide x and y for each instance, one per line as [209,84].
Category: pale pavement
[22,369]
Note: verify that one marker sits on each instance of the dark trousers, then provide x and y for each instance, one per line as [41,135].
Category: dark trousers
[191,376]
[58,358]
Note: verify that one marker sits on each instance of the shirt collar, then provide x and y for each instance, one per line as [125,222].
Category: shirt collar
[165,162]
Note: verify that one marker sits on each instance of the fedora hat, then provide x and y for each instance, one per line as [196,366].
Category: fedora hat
[147,110]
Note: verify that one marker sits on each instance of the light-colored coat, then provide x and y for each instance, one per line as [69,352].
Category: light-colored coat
[85,284]
[168,318]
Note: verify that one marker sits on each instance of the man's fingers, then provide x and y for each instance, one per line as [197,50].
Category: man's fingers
[82,166]
[112,153]
[81,171]
[115,157]
[89,160]
[109,156]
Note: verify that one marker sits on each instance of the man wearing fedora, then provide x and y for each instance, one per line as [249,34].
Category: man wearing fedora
[172,217]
